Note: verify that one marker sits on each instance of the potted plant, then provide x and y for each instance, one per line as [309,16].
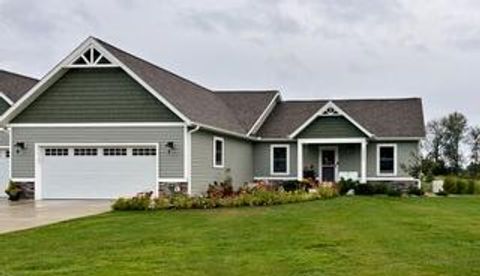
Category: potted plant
[13,191]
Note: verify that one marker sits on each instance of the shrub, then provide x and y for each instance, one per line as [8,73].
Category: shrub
[258,197]
[414,190]
[345,185]
[471,187]
[394,191]
[290,186]
[139,202]
[371,188]
[450,185]
[220,190]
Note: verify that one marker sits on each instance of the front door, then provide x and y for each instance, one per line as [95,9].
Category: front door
[328,165]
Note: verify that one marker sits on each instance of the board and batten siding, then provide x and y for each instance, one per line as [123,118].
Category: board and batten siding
[261,156]
[171,164]
[93,96]
[238,158]
[330,127]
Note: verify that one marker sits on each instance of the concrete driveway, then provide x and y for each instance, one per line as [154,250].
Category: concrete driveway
[28,214]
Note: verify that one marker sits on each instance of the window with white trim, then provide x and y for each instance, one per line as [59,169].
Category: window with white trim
[85,152]
[114,151]
[144,151]
[218,152]
[279,159]
[386,159]
[56,152]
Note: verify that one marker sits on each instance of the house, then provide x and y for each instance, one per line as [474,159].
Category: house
[12,87]
[104,123]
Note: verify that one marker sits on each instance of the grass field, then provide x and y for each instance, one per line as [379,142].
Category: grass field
[350,236]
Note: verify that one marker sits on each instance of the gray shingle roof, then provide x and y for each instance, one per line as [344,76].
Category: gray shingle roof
[198,103]
[14,86]
[248,106]
[382,117]
[237,111]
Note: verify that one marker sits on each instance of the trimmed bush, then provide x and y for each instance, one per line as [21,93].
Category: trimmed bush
[345,185]
[254,198]
[450,185]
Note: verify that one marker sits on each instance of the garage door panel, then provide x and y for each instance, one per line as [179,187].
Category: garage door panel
[97,176]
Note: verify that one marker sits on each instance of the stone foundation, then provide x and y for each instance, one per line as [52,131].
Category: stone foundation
[403,186]
[28,189]
[169,188]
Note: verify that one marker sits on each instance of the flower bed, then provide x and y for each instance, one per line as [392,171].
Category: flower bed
[244,197]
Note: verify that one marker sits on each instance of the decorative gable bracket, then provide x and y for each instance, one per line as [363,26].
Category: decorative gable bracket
[330,109]
[91,57]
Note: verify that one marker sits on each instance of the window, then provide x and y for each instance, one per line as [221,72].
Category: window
[56,152]
[115,151]
[279,159]
[387,159]
[218,152]
[144,151]
[85,152]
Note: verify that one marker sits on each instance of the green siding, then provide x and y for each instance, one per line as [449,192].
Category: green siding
[404,156]
[261,159]
[96,95]
[4,106]
[238,158]
[331,127]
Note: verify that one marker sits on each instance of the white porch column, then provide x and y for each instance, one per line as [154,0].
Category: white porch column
[363,176]
[299,160]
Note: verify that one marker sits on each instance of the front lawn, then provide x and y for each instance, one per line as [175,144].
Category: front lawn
[351,236]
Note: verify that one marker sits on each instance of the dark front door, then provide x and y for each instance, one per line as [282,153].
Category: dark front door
[328,165]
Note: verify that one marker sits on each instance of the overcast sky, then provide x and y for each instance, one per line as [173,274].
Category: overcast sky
[306,49]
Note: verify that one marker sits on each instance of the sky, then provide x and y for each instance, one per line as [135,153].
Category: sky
[304,48]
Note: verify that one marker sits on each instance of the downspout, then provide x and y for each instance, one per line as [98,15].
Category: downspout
[189,158]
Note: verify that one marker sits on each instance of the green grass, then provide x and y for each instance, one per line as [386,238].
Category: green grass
[350,236]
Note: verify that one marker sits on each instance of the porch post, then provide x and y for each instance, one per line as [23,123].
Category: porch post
[299,160]
[363,177]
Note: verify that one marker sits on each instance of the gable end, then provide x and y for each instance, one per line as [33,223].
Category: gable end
[90,95]
[331,127]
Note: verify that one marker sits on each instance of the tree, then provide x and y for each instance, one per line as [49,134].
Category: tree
[455,126]
[473,140]
[435,133]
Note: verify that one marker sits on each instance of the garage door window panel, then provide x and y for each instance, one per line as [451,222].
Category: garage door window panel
[56,152]
[115,151]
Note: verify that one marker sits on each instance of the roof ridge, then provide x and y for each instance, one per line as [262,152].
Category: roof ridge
[152,64]
[18,75]
[226,91]
[353,99]
[156,67]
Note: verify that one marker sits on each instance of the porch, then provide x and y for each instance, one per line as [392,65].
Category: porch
[330,159]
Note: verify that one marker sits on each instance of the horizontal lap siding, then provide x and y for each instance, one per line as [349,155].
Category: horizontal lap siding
[261,161]
[404,156]
[238,158]
[171,164]
[331,127]
[96,95]
[4,138]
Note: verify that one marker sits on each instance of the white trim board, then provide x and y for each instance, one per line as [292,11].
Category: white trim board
[61,68]
[214,152]
[320,161]
[6,98]
[274,178]
[272,148]
[320,112]
[37,159]
[395,159]
[126,124]
[259,122]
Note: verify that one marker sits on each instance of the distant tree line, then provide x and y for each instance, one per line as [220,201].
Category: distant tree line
[447,139]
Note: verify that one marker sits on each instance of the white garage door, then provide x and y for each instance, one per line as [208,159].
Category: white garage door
[97,172]
[4,165]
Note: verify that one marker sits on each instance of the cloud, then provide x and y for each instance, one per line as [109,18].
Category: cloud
[308,48]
